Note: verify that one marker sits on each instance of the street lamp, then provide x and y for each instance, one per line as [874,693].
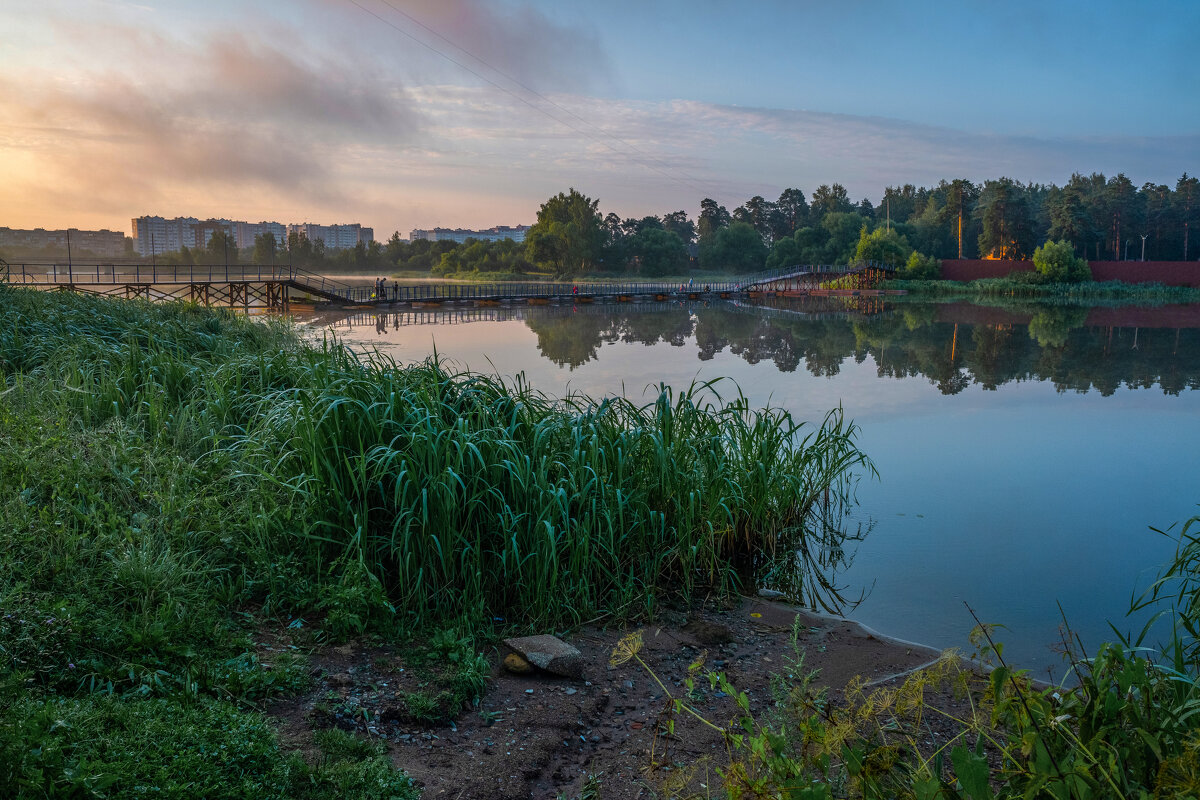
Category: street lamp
[1144,235]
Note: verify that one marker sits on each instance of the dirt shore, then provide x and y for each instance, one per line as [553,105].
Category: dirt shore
[536,735]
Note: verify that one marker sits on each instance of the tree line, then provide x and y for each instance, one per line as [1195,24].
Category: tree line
[1099,217]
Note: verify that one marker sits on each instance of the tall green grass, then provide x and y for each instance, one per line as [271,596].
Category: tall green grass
[1026,285]
[419,494]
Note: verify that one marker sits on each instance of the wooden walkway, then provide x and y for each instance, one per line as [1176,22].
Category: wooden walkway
[276,287]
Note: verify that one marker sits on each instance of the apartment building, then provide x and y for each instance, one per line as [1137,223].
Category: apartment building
[460,235]
[157,235]
[105,243]
[335,237]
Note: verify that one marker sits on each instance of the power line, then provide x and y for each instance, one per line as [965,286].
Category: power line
[686,180]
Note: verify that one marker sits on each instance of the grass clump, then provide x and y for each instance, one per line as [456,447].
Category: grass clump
[102,746]
[1036,286]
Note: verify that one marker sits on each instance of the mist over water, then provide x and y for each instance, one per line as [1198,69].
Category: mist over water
[1023,451]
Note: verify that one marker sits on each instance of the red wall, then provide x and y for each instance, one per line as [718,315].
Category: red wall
[1169,273]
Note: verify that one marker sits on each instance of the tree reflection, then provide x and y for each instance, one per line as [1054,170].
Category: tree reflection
[953,346]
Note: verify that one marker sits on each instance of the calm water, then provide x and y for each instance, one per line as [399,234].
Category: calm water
[1023,453]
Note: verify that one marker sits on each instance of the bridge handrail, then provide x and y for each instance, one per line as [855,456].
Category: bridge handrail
[117,272]
[796,270]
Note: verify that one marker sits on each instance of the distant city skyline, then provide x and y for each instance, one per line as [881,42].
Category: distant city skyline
[416,114]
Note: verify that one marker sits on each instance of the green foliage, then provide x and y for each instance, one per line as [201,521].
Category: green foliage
[567,237]
[360,488]
[105,747]
[1029,285]
[222,248]
[659,252]
[1179,585]
[922,268]
[1006,215]
[737,248]
[883,246]
[479,258]
[453,675]
[1056,262]
[266,249]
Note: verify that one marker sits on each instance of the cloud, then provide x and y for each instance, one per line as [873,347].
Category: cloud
[513,46]
[226,114]
[238,127]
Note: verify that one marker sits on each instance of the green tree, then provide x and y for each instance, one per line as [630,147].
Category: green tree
[677,222]
[841,242]
[899,203]
[222,249]
[757,212]
[1187,195]
[830,200]
[961,196]
[1056,262]
[881,245]
[785,253]
[713,217]
[659,252]
[568,236]
[1122,213]
[736,248]
[791,213]
[266,249]
[1069,219]
[1007,220]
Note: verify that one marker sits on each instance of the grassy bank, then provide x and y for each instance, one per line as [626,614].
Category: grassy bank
[173,479]
[1087,292]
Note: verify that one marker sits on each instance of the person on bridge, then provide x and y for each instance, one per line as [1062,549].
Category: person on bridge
[574,290]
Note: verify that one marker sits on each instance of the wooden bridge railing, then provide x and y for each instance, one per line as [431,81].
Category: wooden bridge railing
[112,273]
[109,272]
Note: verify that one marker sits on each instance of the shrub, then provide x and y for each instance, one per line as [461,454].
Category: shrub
[922,268]
[1056,262]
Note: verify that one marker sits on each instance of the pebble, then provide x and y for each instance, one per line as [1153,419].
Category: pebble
[571,690]
[529,691]
[628,684]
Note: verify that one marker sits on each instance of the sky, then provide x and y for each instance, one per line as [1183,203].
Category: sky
[403,114]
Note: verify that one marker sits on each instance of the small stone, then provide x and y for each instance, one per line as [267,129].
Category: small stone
[529,691]
[627,684]
[549,653]
[517,665]
[770,594]
[571,690]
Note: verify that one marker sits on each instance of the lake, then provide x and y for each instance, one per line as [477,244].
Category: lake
[1023,451]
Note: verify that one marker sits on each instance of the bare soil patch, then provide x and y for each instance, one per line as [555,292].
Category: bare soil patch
[536,735]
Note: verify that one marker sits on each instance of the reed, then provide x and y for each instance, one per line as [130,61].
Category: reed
[419,494]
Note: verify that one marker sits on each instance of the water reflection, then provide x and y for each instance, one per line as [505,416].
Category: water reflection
[952,345]
[1020,458]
